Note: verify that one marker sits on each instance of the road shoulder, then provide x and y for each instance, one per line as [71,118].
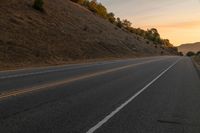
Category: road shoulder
[196,62]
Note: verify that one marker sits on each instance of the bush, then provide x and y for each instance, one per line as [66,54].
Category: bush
[119,23]
[181,53]
[151,34]
[93,6]
[38,4]
[111,17]
[198,53]
[78,1]
[126,24]
[190,53]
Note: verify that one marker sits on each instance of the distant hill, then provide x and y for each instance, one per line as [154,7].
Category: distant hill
[64,32]
[195,47]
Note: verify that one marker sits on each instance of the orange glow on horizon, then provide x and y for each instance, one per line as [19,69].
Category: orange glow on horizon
[179,33]
[176,20]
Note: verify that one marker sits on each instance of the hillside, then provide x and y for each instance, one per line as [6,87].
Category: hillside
[194,47]
[64,32]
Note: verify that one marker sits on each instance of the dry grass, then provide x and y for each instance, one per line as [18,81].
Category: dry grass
[65,32]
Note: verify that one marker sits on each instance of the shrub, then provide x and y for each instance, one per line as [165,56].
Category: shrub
[119,23]
[93,6]
[86,3]
[76,1]
[198,53]
[38,4]
[111,17]
[79,1]
[151,34]
[181,53]
[126,24]
[101,10]
[190,53]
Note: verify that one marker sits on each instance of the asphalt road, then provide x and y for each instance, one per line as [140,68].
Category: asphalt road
[146,95]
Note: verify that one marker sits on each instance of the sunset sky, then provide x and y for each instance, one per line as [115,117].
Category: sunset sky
[177,20]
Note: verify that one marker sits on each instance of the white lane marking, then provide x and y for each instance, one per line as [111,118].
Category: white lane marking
[50,71]
[66,81]
[58,83]
[99,124]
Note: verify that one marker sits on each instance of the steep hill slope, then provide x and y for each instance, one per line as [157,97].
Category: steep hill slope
[195,47]
[64,32]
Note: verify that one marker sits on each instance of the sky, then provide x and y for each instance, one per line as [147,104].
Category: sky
[176,20]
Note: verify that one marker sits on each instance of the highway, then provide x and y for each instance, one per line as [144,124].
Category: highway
[143,95]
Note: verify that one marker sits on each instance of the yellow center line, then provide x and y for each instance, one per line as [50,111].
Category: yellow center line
[66,81]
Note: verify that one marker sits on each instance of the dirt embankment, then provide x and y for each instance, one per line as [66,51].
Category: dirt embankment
[64,32]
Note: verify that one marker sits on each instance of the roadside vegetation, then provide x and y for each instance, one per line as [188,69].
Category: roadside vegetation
[191,53]
[38,4]
[195,56]
[67,33]
[150,34]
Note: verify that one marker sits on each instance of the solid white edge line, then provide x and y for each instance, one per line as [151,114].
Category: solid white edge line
[103,121]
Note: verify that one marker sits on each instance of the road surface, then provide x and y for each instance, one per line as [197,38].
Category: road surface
[146,95]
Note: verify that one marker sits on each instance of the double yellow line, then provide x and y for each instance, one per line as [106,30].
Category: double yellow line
[8,94]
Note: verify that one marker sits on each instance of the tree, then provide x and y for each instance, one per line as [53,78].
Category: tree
[81,2]
[111,17]
[190,53]
[38,4]
[166,43]
[97,8]
[126,24]
[119,23]
[93,6]
[86,3]
[101,10]
[149,34]
[153,35]
[140,32]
